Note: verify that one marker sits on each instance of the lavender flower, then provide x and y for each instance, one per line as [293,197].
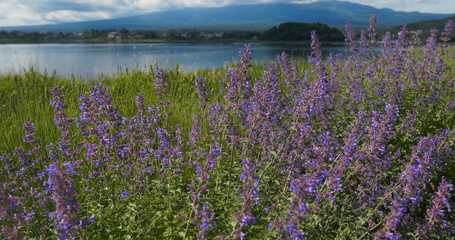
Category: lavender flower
[62,122]
[159,83]
[206,215]
[124,195]
[396,214]
[350,38]
[436,213]
[238,80]
[372,27]
[362,139]
[316,53]
[447,34]
[66,206]
[202,91]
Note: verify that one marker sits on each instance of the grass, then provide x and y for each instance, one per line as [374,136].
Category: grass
[344,148]
[26,97]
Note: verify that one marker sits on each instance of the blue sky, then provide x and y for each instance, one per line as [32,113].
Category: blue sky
[33,12]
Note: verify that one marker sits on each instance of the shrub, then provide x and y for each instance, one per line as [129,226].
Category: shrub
[354,148]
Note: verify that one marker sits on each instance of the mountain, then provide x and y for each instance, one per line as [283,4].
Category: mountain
[425,26]
[246,17]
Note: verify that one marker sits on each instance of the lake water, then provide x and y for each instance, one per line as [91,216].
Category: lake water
[94,60]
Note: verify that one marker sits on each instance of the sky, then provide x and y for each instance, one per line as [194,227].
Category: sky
[35,12]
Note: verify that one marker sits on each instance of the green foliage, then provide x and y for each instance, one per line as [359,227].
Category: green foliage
[363,124]
[292,31]
[424,26]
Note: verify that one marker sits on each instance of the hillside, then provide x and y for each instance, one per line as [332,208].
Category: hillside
[246,17]
[425,26]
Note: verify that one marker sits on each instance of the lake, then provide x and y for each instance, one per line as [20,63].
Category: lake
[95,60]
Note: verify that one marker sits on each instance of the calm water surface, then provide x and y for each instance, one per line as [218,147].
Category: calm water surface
[95,60]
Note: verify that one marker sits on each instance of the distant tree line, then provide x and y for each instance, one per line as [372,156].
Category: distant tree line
[293,31]
[289,31]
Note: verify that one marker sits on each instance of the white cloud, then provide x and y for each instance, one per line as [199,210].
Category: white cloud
[304,1]
[152,6]
[31,12]
[75,16]
[156,5]
[14,14]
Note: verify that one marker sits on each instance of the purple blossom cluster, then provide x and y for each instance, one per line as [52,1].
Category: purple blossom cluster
[66,206]
[356,147]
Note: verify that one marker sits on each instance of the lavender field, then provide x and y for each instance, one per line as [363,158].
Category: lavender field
[355,146]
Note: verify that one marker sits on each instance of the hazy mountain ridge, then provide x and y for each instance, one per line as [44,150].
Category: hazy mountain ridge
[426,25]
[247,17]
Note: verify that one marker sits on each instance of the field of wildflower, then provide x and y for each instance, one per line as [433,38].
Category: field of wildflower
[359,146]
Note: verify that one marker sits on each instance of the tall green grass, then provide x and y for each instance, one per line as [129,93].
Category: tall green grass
[158,186]
[27,97]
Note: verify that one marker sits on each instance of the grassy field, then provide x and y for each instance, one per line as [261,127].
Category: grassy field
[347,147]
[27,97]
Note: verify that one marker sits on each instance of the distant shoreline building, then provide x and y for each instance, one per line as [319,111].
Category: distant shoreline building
[114,35]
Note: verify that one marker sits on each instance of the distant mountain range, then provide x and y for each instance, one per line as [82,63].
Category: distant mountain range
[425,26]
[246,17]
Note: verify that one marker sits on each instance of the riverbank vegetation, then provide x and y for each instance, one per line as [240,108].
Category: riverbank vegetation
[352,147]
[300,33]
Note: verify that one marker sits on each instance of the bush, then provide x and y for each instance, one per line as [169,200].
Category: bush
[355,148]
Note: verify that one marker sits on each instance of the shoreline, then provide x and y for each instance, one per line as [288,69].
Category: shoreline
[129,41]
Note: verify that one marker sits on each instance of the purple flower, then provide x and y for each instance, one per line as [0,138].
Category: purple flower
[125,194]
[206,215]
[30,133]
[194,134]
[66,206]
[350,38]
[201,90]
[371,28]
[436,213]
[316,53]
[447,34]
[396,214]
[239,234]
[160,82]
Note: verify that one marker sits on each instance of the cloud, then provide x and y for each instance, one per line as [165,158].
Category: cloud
[14,14]
[304,1]
[32,12]
[75,16]
[156,5]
